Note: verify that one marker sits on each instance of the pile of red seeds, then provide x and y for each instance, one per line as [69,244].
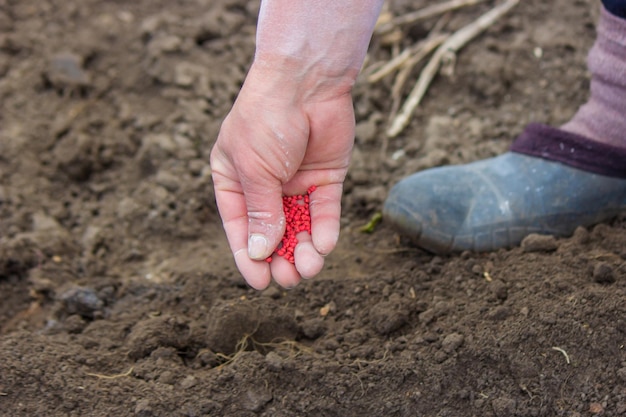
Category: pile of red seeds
[297,219]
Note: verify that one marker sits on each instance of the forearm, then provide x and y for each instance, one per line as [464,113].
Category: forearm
[321,40]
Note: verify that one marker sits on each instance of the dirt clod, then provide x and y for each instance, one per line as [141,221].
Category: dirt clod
[388,316]
[603,273]
[152,333]
[539,243]
[452,342]
[246,325]
[81,300]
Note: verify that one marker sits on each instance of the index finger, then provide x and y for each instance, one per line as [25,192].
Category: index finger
[233,211]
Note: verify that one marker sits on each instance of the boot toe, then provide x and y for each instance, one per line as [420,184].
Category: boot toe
[495,203]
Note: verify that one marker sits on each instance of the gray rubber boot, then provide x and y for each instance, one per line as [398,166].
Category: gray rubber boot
[495,203]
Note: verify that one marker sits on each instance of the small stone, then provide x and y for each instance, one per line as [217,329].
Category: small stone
[499,289]
[427,316]
[74,324]
[452,342]
[274,361]
[356,337]
[81,300]
[499,313]
[43,222]
[603,273]
[144,408]
[167,377]
[504,407]
[75,156]
[164,44]
[478,269]
[440,357]
[126,207]
[168,181]
[65,69]
[186,74]
[190,381]
[196,166]
[387,317]
[162,352]
[596,408]
[255,400]
[314,328]
[154,149]
[539,243]
[328,309]
[431,337]
[208,358]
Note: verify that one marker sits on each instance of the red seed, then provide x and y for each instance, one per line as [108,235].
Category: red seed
[298,219]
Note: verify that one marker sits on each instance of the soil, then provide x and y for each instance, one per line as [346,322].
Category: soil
[120,296]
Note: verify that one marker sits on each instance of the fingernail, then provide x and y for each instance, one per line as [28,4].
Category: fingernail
[257,246]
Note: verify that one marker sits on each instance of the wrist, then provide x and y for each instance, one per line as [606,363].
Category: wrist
[316,45]
[297,79]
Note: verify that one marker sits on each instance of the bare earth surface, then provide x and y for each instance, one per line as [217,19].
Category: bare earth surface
[119,294]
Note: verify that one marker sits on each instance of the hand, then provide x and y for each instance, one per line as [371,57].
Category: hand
[280,138]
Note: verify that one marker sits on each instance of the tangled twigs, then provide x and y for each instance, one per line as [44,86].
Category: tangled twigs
[408,58]
[425,13]
[446,51]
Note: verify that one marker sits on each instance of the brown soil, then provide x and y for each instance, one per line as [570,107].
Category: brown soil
[120,297]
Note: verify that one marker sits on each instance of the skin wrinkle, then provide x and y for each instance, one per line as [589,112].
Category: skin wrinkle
[282,143]
[279,154]
[268,227]
[265,166]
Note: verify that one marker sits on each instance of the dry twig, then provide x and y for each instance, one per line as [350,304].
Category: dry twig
[558,349]
[408,58]
[437,37]
[446,51]
[422,14]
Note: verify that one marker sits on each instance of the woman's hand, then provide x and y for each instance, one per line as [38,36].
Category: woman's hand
[277,141]
[291,127]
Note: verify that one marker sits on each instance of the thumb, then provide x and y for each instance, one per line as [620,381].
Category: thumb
[266,219]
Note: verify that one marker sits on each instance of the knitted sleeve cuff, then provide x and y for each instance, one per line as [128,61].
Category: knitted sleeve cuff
[571,149]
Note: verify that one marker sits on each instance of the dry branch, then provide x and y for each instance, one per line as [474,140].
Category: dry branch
[455,42]
[408,58]
[422,14]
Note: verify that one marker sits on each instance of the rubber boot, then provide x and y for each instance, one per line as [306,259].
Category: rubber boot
[495,203]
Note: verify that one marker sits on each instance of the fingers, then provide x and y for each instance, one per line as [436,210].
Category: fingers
[232,207]
[266,220]
[256,273]
[325,207]
[284,272]
[308,263]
